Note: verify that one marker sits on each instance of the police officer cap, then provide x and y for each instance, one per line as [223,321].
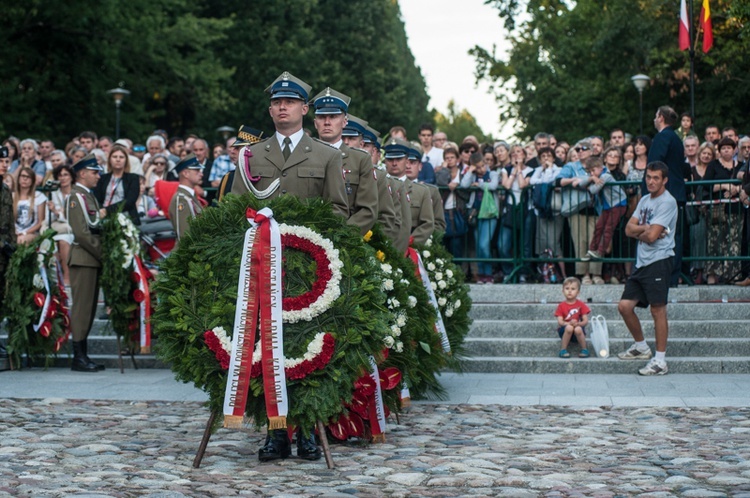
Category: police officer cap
[355,127]
[371,136]
[4,152]
[415,152]
[188,162]
[247,136]
[287,86]
[396,148]
[88,162]
[330,101]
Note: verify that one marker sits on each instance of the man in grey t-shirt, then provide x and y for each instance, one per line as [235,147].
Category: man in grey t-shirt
[653,224]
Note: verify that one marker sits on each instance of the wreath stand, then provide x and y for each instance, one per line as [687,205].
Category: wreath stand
[207,435]
[119,356]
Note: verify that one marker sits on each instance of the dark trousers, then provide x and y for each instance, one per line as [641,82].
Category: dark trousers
[84,287]
[678,244]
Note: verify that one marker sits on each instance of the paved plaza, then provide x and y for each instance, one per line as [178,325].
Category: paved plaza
[135,434]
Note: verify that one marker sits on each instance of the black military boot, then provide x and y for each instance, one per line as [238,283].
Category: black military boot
[277,446]
[81,363]
[86,354]
[4,359]
[307,446]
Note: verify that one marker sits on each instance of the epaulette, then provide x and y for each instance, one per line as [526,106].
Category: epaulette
[324,143]
[360,149]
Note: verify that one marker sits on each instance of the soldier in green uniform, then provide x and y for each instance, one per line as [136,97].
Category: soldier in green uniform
[290,162]
[184,204]
[389,205]
[85,261]
[422,221]
[413,167]
[360,179]
[7,237]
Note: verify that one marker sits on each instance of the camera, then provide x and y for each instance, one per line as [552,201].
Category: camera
[50,186]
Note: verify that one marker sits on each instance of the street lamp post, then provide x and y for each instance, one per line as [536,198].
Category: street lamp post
[225,131]
[118,94]
[640,81]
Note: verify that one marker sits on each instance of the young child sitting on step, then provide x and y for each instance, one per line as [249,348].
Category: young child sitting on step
[572,318]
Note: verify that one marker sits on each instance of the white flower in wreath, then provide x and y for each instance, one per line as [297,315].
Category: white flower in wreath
[426,254]
[40,258]
[122,219]
[401,319]
[45,246]
[449,312]
[431,266]
[395,330]
[399,272]
[442,284]
[439,275]
[393,303]
[412,301]
[388,341]
[442,301]
[429,242]
[457,304]
[405,282]
[387,285]
[38,281]
[399,347]
[433,286]
[449,273]
[387,269]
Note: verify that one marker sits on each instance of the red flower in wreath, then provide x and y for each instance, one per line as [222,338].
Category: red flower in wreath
[39,299]
[45,329]
[138,295]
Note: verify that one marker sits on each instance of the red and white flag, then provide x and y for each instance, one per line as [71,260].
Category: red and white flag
[684,27]
[706,26]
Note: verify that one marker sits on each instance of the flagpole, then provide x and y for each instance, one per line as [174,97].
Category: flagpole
[692,62]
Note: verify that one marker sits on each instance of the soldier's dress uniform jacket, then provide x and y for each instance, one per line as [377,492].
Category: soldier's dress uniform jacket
[82,212]
[361,187]
[7,233]
[183,206]
[312,170]
[422,217]
[437,207]
[389,214]
[401,198]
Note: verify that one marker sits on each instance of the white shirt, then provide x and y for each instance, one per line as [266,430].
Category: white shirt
[295,137]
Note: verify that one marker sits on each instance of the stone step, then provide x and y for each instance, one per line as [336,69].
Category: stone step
[676,347]
[574,365]
[534,293]
[681,311]
[539,329]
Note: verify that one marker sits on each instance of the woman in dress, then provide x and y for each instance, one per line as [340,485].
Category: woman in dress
[724,219]
[28,206]
[698,230]
[118,188]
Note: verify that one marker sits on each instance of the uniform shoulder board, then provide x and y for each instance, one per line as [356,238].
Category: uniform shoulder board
[361,150]
[324,143]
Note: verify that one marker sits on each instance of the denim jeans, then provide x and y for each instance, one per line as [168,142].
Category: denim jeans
[483,234]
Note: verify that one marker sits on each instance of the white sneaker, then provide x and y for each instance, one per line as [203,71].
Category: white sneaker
[654,367]
[633,353]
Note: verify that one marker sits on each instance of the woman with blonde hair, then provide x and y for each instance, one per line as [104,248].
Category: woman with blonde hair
[28,206]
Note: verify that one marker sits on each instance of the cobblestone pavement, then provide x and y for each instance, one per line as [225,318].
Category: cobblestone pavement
[57,447]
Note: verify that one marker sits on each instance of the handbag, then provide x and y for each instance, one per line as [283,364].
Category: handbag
[600,336]
[455,225]
[488,209]
[574,200]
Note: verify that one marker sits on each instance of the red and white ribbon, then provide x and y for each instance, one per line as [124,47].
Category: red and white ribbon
[47,299]
[144,306]
[376,410]
[258,308]
[422,273]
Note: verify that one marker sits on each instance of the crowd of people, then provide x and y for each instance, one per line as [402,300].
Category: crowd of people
[554,199]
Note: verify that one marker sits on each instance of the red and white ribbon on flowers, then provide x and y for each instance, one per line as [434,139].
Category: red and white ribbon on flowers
[376,410]
[422,273]
[144,306]
[258,308]
[47,299]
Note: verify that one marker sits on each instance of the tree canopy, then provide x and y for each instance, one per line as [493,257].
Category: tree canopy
[195,66]
[568,71]
[459,123]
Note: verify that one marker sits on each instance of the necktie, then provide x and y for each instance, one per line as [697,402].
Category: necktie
[287,148]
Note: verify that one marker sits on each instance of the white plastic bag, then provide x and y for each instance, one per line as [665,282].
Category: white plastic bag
[600,336]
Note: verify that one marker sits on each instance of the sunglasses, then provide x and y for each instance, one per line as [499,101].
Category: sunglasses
[582,147]
[160,163]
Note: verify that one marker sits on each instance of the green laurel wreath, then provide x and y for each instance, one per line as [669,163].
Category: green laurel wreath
[197,289]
